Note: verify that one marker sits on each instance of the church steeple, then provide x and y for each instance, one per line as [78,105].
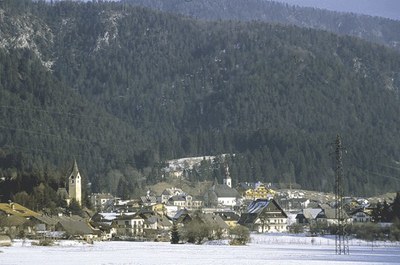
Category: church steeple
[227,179]
[75,184]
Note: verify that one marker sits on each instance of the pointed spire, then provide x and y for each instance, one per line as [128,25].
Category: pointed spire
[75,169]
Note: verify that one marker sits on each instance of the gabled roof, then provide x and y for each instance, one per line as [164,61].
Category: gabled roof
[247,218]
[17,209]
[360,210]
[148,199]
[47,219]
[129,217]
[228,216]
[257,206]
[177,198]
[13,220]
[164,221]
[166,192]
[214,220]
[73,227]
[181,216]
[311,213]
[261,206]
[224,191]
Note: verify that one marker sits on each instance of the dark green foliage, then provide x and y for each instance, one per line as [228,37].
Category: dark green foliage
[372,231]
[387,212]
[74,208]
[296,228]
[375,29]
[174,234]
[196,231]
[130,88]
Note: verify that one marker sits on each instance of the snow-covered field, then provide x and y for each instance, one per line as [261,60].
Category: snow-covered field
[264,249]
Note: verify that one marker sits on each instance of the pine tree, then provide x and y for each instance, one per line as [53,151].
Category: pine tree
[396,207]
[174,234]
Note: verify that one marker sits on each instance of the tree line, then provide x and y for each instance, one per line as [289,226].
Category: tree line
[130,88]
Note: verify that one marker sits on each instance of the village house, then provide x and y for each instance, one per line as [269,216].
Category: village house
[125,206]
[185,201]
[361,216]
[182,217]
[144,224]
[230,218]
[217,227]
[264,216]
[75,227]
[12,208]
[308,216]
[16,219]
[101,201]
[170,192]
[254,191]
[16,226]
[324,215]
[129,225]
[148,200]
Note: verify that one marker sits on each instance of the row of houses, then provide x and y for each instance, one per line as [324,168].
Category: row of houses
[152,222]
[151,217]
[17,220]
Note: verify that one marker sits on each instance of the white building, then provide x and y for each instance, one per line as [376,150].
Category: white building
[75,184]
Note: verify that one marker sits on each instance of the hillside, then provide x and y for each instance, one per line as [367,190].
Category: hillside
[374,29]
[122,89]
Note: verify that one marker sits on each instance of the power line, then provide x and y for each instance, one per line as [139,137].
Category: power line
[341,237]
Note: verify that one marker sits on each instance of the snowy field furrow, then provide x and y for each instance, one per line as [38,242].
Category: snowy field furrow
[264,249]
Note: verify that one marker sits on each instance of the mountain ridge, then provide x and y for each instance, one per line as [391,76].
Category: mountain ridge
[171,86]
[376,29]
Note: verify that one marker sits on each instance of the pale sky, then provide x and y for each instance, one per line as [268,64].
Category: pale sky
[383,8]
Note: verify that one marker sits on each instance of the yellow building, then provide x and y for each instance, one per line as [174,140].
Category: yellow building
[253,191]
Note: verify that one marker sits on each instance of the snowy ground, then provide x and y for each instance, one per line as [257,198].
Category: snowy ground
[264,249]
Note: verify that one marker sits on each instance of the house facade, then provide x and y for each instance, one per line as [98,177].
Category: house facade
[101,200]
[360,216]
[264,216]
[254,191]
[129,225]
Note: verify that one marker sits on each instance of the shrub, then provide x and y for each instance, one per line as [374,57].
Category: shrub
[44,242]
[240,235]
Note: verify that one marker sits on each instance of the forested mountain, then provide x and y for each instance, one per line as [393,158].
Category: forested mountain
[375,29]
[122,89]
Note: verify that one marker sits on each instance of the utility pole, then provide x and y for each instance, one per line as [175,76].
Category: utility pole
[341,237]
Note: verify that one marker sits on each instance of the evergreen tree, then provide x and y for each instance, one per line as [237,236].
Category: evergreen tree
[174,234]
[396,207]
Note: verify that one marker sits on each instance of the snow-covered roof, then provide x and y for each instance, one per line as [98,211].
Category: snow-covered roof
[257,206]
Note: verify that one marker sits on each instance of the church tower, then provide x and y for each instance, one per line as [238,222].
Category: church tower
[227,179]
[75,184]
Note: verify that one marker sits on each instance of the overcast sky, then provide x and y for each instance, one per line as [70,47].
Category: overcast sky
[383,8]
